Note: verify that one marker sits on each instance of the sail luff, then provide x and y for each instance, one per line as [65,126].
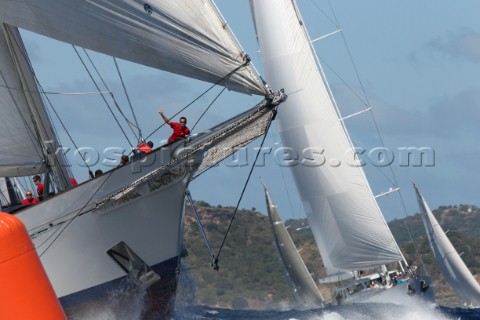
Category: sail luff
[448,260]
[346,221]
[180,36]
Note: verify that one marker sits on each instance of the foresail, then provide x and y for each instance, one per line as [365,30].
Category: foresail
[346,221]
[305,288]
[448,260]
[20,150]
[180,36]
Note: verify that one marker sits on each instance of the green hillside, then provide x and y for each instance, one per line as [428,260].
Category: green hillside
[250,274]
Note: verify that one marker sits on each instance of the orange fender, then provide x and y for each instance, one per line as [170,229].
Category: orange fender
[25,290]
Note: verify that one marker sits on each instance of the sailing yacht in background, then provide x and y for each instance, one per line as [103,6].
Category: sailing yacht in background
[345,219]
[305,289]
[448,260]
[122,231]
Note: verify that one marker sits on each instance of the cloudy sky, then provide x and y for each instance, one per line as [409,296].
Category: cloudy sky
[419,70]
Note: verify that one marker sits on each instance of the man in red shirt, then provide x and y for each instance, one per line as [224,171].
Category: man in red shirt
[38,182]
[30,199]
[180,130]
[145,147]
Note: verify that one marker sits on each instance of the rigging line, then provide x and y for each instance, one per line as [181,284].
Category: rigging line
[128,98]
[32,104]
[417,251]
[283,177]
[66,131]
[201,116]
[201,95]
[30,92]
[324,13]
[59,233]
[56,93]
[245,187]
[366,101]
[324,63]
[395,182]
[45,97]
[32,132]
[350,56]
[105,100]
[130,124]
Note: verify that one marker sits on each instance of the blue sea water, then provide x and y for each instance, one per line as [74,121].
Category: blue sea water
[370,311]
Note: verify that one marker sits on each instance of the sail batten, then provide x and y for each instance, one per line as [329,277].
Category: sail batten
[348,226]
[179,36]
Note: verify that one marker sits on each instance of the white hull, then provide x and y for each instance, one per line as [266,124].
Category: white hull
[396,294]
[73,231]
[140,205]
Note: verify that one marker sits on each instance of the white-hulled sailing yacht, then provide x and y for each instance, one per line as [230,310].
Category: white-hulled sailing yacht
[346,221]
[123,230]
[448,260]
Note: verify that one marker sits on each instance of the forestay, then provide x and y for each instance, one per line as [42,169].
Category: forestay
[448,260]
[346,221]
[180,36]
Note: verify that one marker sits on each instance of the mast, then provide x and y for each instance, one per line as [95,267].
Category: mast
[347,223]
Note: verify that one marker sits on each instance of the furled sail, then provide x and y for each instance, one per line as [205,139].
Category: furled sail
[26,131]
[346,221]
[180,36]
[305,289]
[448,260]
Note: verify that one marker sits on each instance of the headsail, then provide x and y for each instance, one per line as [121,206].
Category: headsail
[448,260]
[346,221]
[26,130]
[306,291]
[180,36]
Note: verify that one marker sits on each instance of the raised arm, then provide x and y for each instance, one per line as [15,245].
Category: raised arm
[163,116]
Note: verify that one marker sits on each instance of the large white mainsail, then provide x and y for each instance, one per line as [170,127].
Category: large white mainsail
[180,36]
[448,260]
[346,221]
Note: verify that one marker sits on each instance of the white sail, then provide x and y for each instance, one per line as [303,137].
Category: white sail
[124,227]
[448,260]
[27,134]
[304,286]
[20,151]
[180,36]
[346,221]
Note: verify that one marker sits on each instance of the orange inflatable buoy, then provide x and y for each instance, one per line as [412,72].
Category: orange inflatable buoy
[25,290]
